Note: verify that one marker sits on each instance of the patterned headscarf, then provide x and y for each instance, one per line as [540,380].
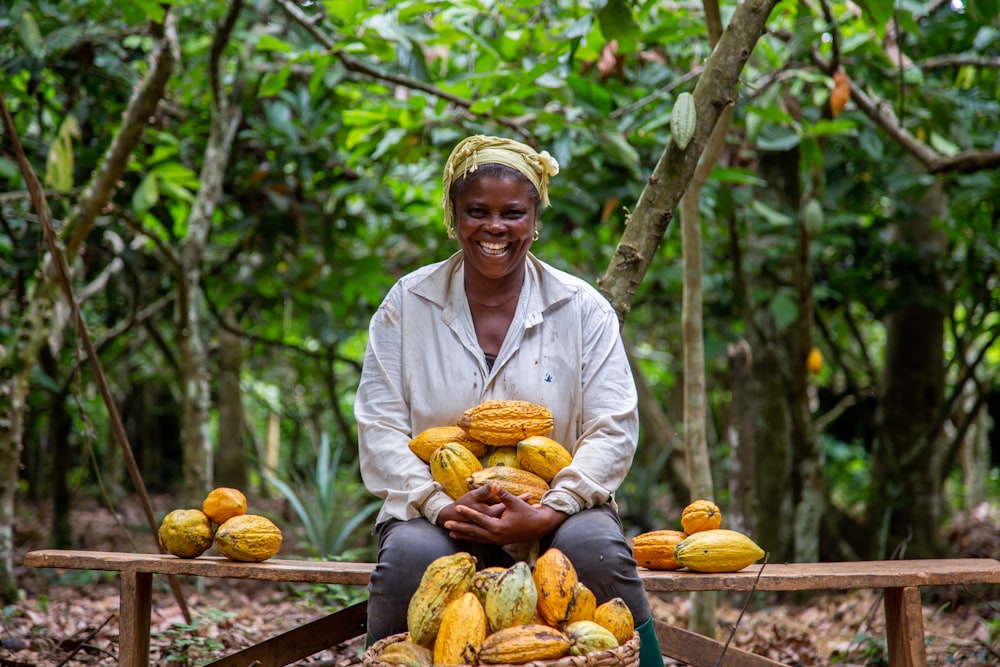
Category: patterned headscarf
[479,149]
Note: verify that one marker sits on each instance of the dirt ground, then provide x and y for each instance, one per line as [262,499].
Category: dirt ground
[71,618]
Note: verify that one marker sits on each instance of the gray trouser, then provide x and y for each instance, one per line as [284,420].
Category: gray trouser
[592,539]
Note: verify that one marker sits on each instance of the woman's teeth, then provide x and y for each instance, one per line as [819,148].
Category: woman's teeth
[493,248]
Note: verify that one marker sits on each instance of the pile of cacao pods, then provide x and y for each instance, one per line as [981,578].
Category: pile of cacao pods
[224,522]
[701,546]
[496,441]
[514,615]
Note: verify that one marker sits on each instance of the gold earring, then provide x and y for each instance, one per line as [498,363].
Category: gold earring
[534,237]
[451,230]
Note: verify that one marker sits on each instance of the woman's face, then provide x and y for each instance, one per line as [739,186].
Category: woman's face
[494,224]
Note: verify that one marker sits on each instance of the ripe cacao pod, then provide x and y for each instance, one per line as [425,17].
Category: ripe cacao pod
[427,441]
[407,654]
[483,579]
[717,550]
[583,605]
[543,456]
[502,456]
[701,515]
[514,480]
[224,503]
[446,579]
[506,422]
[616,617]
[512,599]
[814,361]
[654,550]
[451,464]
[523,643]
[463,628]
[556,581]
[248,538]
[186,533]
[683,120]
[588,636]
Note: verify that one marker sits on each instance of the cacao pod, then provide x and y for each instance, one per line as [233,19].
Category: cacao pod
[407,654]
[224,503]
[186,533]
[556,581]
[502,456]
[683,120]
[483,580]
[717,550]
[588,636]
[583,605]
[248,538]
[701,515]
[506,422]
[616,617]
[451,464]
[514,480]
[543,456]
[654,550]
[523,643]
[812,218]
[814,361]
[512,599]
[427,441]
[446,579]
[463,628]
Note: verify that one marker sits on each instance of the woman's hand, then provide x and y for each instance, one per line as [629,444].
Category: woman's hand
[493,515]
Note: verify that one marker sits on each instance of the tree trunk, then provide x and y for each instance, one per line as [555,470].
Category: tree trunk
[742,439]
[230,458]
[904,506]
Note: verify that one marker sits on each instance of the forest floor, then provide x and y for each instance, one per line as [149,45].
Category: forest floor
[71,618]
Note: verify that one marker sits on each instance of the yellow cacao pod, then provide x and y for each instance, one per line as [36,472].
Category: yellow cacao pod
[186,533]
[717,550]
[483,579]
[556,581]
[523,643]
[583,605]
[502,456]
[407,654]
[248,538]
[543,456]
[451,464]
[814,361]
[512,599]
[514,480]
[588,636]
[617,618]
[427,441]
[506,422]
[224,503]
[446,579]
[463,628]
[701,515]
[654,550]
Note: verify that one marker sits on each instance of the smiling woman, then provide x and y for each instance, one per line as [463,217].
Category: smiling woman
[493,322]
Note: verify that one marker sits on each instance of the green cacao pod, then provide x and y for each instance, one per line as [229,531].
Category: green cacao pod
[683,120]
[512,599]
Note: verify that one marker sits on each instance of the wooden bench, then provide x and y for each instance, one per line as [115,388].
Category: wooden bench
[900,580]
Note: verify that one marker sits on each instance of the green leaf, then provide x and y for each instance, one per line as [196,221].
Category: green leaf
[147,194]
[274,82]
[270,43]
[59,162]
[617,23]
[784,309]
[771,216]
[31,36]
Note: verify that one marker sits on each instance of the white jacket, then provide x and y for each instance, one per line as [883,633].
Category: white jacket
[423,367]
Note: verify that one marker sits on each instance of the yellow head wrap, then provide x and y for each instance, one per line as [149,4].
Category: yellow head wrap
[479,149]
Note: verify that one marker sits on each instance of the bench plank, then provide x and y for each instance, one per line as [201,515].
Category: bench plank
[776,577]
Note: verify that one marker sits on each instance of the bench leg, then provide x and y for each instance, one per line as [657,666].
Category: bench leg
[904,627]
[134,608]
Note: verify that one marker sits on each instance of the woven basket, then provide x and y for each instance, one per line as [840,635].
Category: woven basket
[626,655]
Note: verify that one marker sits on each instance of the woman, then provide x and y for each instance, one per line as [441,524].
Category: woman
[495,322]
